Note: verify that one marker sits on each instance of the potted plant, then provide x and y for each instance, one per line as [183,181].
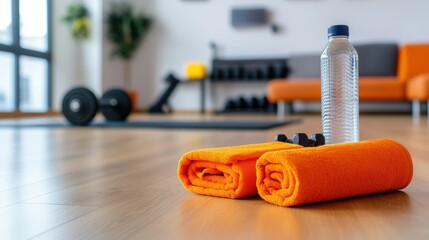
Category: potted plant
[126,30]
[77,17]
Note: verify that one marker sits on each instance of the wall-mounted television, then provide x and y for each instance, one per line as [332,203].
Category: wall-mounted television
[249,17]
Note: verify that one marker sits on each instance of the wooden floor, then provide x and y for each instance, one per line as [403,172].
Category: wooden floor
[121,184]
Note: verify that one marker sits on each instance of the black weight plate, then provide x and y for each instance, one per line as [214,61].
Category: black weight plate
[123,108]
[88,106]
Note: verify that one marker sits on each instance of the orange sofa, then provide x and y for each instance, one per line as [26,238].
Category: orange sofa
[411,83]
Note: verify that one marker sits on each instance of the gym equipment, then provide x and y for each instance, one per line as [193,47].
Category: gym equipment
[265,102]
[237,72]
[195,71]
[215,50]
[80,105]
[302,139]
[255,103]
[230,105]
[216,74]
[226,73]
[249,104]
[242,103]
[248,69]
[250,74]
[280,70]
[161,105]
[115,104]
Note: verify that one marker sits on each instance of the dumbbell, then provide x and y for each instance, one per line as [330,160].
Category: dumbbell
[250,73]
[230,105]
[242,103]
[217,74]
[265,102]
[280,70]
[302,139]
[237,72]
[80,105]
[255,103]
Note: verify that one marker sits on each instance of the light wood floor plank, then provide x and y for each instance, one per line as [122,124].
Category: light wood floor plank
[23,221]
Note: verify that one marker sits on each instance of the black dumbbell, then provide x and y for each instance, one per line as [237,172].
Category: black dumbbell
[230,105]
[265,72]
[298,138]
[314,141]
[280,70]
[317,140]
[237,72]
[214,74]
[265,102]
[251,73]
[255,103]
[282,138]
[80,105]
[224,73]
[242,103]
[217,74]
[116,105]
[302,139]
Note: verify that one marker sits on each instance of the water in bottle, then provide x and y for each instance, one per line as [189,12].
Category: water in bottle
[340,93]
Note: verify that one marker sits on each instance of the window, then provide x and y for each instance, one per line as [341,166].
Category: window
[25,56]
[7,86]
[33,29]
[5,22]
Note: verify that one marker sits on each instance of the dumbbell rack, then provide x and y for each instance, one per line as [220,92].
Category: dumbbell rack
[245,71]
[253,104]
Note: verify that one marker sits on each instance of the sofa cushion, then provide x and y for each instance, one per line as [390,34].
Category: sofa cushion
[418,88]
[377,59]
[381,89]
[293,89]
[414,60]
[370,89]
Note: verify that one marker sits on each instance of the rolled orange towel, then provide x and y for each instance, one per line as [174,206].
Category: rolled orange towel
[310,175]
[225,172]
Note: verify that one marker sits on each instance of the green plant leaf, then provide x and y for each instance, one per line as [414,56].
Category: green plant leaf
[77,16]
[126,30]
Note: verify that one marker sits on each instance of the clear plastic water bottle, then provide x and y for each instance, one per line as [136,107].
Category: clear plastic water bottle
[340,88]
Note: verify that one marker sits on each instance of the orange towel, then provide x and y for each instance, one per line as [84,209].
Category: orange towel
[225,172]
[310,175]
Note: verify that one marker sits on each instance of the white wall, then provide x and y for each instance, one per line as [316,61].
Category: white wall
[183,30]
[92,49]
[65,57]
[76,63]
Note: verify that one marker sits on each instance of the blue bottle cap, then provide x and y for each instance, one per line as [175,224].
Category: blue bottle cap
[338,30]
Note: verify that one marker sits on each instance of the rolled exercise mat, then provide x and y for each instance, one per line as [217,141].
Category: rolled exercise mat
[310,175]
[228,172]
